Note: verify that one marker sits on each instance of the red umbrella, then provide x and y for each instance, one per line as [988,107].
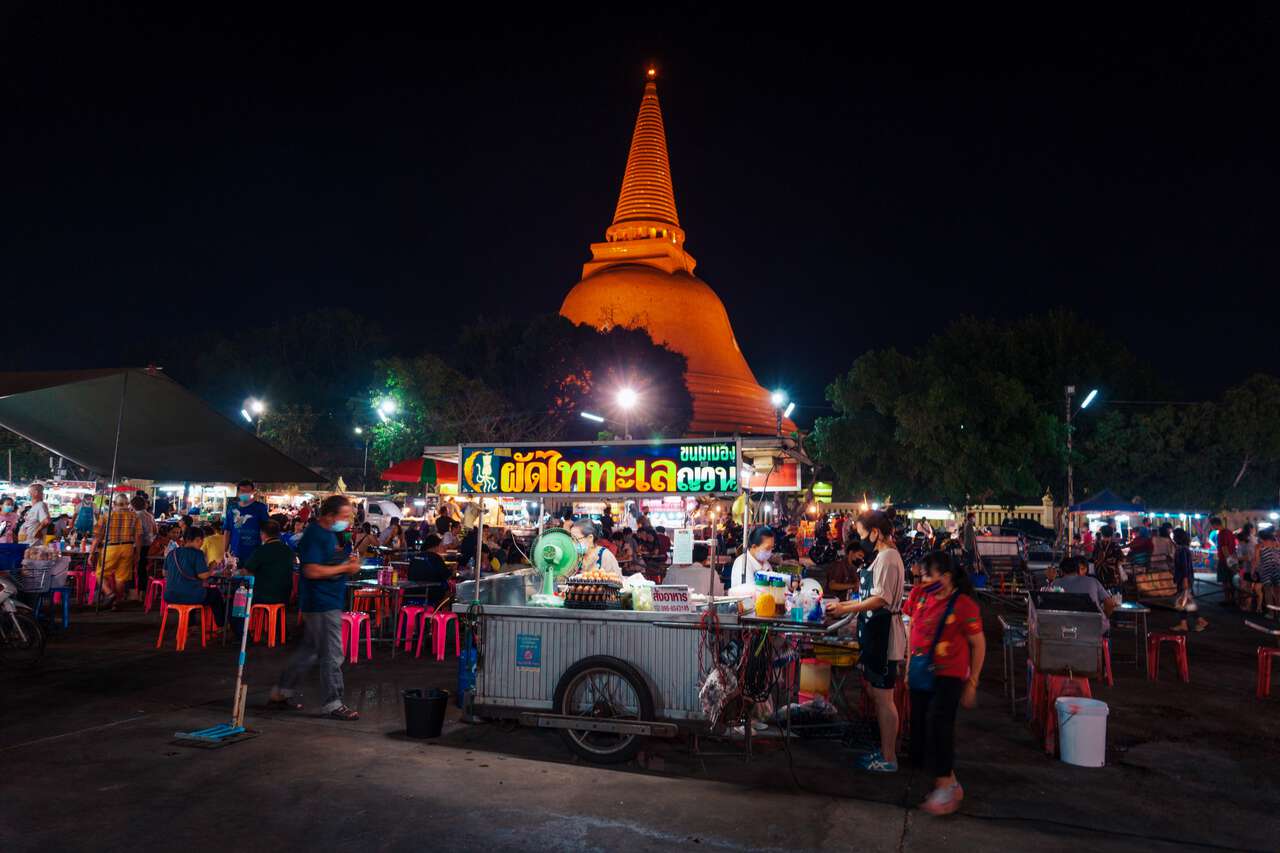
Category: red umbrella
[421,470]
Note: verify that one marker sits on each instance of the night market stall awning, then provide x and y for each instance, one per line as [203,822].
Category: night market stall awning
[1107,501]
[147,424]
[421,470]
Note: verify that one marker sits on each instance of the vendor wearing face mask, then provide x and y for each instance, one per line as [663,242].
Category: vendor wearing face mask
[881,635]
[755,558]
[8,521]
[593,557]
[243,526]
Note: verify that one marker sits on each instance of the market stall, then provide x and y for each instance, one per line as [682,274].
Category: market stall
[557,647]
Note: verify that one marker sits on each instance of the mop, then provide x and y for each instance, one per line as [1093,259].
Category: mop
[233,732]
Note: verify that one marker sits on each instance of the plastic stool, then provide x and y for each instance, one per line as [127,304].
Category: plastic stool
[270,616]
[1155,639]
[184,623]
[370,600]
[1106,662]
[411,619]
[53,593]
[1265,654]
[440,633]
[155,594]
[351,622]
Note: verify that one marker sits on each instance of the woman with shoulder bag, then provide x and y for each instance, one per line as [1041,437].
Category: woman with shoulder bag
[947,652]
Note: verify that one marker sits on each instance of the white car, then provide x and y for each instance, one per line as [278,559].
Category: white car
[378,514]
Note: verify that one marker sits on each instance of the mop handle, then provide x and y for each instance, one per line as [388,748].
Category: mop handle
[237,712]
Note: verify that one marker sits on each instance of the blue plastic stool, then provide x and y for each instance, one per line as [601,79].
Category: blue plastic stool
[65,591]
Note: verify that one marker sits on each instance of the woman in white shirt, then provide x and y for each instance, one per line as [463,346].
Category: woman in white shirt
[881,635]
[754,559]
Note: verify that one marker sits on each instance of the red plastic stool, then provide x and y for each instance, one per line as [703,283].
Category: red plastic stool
[412,618]
[1106,662]
[184,624]
[269,616]
[155,594]
[1155,639]
[1265,654]
[373,601]
[351,622]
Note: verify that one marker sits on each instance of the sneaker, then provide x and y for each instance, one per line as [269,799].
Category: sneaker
[943,801]
[874,762]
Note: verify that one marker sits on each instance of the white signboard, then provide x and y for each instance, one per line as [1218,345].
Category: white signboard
[671,599]
[682,547]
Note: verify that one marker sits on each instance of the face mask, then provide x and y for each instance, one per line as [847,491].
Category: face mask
[581,547]
[763,555]
[244,499]
[933,587]
[8,508]
[339,526]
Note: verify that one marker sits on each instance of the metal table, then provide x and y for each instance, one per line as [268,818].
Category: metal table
[1132,613]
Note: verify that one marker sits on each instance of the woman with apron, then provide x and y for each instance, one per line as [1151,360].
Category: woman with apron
[881,635]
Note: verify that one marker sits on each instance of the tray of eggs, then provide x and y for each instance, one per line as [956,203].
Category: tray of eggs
[593,591]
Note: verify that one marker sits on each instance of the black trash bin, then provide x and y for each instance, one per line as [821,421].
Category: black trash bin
[424,712]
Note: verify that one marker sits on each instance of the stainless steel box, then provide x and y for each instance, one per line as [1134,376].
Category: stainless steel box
[1064,634]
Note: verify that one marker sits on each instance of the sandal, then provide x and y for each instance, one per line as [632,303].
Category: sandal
[286,704]
[342,712]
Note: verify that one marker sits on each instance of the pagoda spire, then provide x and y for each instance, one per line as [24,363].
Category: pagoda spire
[646,195]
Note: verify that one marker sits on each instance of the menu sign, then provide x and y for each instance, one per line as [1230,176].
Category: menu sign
[644,468]
[671,599]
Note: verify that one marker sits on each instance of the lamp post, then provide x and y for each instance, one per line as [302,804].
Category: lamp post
[626,401]
[252,411]
[779,400]
[1071,486]
[364,475]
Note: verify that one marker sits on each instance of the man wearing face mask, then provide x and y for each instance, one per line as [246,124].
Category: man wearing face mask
[244,522]
[327,562]
[593,557]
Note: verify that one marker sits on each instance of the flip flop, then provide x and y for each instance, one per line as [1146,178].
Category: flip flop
[288,704]
[342,712]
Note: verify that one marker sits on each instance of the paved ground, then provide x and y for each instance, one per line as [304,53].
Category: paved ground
[86,763]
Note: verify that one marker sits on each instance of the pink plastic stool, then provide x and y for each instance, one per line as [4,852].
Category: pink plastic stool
[351,622]
[411,619]
[155,594]
[1106,662]
[440,623]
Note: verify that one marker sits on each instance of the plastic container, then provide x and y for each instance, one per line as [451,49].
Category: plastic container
[424,712]
[1082,730]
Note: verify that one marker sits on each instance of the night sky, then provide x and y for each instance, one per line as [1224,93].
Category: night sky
[844,183]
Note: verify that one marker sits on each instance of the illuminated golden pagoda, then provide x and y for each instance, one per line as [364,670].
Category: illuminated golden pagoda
[642,277]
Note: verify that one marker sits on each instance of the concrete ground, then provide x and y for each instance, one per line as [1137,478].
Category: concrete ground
[87,763]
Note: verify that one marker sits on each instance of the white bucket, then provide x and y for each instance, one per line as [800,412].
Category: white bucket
[1082,730]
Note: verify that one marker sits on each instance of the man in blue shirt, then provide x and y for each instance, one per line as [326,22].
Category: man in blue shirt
[185,571]
[244,522]
[327,562]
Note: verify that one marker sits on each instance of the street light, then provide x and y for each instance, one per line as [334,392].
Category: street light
[386,408]
[626,400]
[364,475]
[592,417]
[1071,485]
[779,399]
[252,411]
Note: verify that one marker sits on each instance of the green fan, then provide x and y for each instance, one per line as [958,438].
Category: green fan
[555,555]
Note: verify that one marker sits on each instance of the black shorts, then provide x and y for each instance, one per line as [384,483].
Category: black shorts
[873,656]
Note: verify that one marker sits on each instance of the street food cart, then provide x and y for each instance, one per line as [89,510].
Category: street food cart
[605,678]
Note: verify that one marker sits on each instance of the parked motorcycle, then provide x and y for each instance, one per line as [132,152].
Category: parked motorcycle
[21,637]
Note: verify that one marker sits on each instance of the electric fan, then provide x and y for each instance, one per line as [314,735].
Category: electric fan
[554,554]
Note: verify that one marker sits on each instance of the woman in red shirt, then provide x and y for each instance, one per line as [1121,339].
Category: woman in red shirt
[957,663]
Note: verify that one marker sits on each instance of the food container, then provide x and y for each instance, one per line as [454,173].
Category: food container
[1064,634]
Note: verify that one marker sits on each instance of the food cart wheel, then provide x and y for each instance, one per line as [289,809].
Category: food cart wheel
[603,688]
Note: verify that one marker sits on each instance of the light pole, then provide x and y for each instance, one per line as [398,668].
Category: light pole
[364,475]
[1071,485]
[778,399]
[257,408]
[626,401]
